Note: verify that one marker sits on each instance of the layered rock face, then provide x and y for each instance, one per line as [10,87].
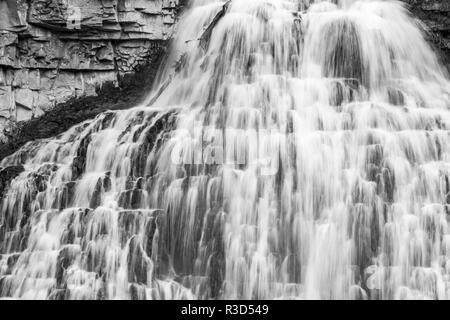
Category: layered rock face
[55,50]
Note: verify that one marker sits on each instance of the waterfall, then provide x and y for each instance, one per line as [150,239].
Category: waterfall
[291,149]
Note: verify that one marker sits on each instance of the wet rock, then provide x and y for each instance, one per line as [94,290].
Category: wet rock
[151,228]
[66,258]
[140,183]
[386,184]
[138,263]
[58,295]
[343,44]
[130,222]
[5,285]
[364,235]
[138,292]
[131,199]
[107,182]
[436,16]
[139,222]
[79,162]
[77,226]
[11,262]
[396,97]
[8,174]
[96,198]
[358,293]
[67,195]
[153,138]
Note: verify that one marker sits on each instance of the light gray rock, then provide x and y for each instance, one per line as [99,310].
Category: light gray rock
[55,50]
[25,98]
[27,78]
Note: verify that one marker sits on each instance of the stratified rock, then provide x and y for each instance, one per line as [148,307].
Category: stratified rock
[52,51]
[8,174]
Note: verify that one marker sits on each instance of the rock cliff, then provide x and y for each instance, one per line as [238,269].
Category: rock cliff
[54,50]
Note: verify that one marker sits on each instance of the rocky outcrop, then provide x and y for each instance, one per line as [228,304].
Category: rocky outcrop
[62,117]
[8,174]
[52,51]
[435,14]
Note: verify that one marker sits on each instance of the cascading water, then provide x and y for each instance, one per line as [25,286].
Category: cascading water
[296,150]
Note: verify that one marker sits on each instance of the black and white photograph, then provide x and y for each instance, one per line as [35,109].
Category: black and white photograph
[223,155]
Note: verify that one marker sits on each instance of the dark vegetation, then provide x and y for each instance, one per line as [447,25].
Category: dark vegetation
[8,174]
